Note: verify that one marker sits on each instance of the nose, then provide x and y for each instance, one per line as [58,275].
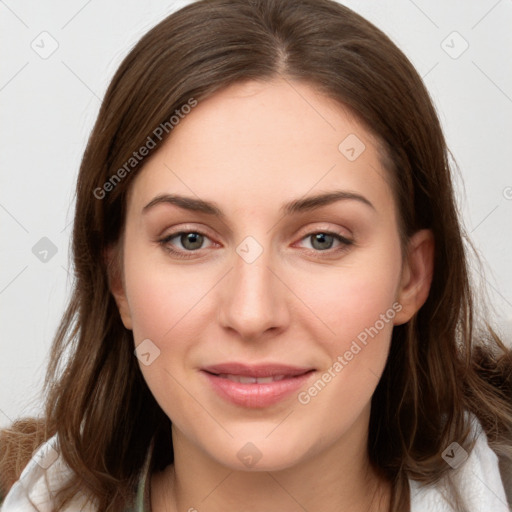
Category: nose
[253,299]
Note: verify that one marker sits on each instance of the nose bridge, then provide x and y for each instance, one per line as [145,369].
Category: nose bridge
[252,301]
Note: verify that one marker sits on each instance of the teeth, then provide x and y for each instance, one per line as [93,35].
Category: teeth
[251,380]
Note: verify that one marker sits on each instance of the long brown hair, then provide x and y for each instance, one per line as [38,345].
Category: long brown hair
[441,363]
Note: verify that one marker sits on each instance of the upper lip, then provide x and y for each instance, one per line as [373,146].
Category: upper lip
[256,370]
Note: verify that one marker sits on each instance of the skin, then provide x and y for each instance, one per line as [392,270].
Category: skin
[250,148]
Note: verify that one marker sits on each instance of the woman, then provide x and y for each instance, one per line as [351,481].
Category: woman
[315,347]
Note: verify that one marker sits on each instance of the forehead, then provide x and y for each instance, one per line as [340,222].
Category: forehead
[256,143]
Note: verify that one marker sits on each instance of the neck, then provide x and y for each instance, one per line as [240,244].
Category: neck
[337,478]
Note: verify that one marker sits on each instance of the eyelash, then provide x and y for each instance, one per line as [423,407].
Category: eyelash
[164,242]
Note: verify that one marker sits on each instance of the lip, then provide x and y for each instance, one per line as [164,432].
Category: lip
[257,370]
[256,395]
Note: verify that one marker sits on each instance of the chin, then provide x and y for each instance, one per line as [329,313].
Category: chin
[258,453]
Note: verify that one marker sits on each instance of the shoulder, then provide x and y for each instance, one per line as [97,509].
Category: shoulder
[476,475]
[43,475]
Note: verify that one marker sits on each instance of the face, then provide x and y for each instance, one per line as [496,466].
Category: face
[317,286]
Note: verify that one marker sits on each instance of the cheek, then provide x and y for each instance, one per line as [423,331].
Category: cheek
[159,295]
[353,297]
[164,305]
[360,323]
[357,305]
[361,317]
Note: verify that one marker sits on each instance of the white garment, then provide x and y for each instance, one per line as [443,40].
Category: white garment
[477,477]
[45,472]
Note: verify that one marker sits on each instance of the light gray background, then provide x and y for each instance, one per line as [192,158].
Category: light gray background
[48,106]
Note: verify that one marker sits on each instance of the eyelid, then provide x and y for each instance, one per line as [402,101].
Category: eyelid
[305,231]
[345,242]
[325,228]
[185,228]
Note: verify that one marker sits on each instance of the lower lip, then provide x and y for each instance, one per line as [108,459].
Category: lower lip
[254,395]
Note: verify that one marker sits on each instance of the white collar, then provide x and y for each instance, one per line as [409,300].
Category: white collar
[477,477]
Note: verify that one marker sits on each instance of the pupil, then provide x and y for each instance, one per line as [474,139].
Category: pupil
[193,238]
[321,237]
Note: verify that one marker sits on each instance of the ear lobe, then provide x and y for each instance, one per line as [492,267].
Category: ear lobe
[113,259]
[417,275]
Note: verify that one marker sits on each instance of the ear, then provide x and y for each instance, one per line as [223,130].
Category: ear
[114,261]
[417,272]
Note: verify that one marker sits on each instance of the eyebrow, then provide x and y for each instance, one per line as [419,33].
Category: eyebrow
[290,208]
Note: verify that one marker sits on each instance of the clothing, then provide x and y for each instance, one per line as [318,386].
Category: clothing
[477,477]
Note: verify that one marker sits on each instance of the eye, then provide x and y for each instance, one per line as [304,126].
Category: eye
[192,241]
[322,241]
[189,240]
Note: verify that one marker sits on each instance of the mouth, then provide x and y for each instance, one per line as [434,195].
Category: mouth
[243,379]
[257,370]
[255,386]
